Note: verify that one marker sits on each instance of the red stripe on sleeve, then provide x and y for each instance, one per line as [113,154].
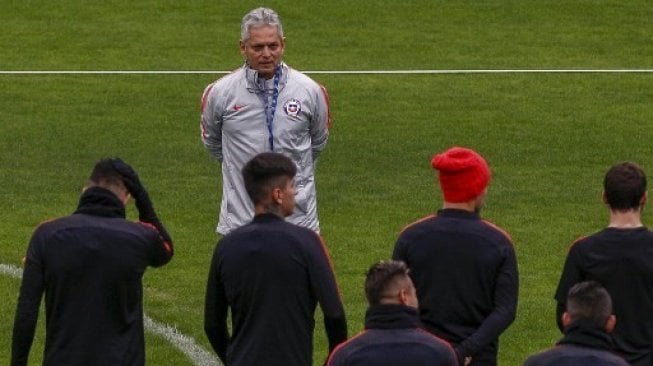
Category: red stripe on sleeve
[167,246]
[499,229]
[326,98]
[205,95]
[328,257]
[418,221]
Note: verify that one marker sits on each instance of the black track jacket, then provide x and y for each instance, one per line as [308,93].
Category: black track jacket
[271,274]
[393,335]
[465,273]
[90,266]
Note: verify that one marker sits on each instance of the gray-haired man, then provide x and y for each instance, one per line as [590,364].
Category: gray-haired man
[264,106]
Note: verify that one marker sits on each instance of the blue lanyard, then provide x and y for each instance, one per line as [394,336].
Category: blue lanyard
[271,106]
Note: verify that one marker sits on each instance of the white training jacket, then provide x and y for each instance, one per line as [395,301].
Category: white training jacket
[234,129]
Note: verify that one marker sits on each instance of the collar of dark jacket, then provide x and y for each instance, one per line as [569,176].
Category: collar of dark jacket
[99,201]
[390,316]
[586,334]
[458,213]
[267,217]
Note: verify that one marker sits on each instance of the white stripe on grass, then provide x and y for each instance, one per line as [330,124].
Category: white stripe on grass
[187,345]
[336,72]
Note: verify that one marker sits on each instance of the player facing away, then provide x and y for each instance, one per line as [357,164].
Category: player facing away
[464,268]
[619,257]
[588,322]
[264,106]
[271,274]
[393,333]
[90,267]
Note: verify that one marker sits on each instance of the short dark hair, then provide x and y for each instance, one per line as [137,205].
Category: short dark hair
[380,276]
[624,186]
[266,171]
[589,301]
[105,174]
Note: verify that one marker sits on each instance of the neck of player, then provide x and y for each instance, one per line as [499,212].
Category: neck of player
[625,219]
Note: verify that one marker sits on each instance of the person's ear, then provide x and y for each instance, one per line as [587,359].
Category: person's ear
[566,319]
[610,323]
[242,47]
[642,201]
[604,197]
[277,195]
[403,297]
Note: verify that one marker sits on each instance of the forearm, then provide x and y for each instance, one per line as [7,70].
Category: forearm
[146,213]
[506,292]
[487,333]
[336,329]
[219,339]
[27,312]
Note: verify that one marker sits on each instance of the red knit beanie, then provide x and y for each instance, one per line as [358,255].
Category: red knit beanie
[464,174]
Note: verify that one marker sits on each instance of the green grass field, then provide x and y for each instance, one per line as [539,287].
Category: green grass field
[548,137]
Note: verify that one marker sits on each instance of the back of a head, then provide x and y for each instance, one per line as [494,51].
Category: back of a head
[589,302]
[105,175]
[267,171]
[383,278]
[464,174]
[260,17]
[624,186]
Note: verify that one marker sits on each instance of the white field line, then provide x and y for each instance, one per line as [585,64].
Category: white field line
[187,345]
[335,72]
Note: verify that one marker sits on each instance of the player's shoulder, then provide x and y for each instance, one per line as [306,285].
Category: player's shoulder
[226,81]
[419,224]
[499,231]
[302,80]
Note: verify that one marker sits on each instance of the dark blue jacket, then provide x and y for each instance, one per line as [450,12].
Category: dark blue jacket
[271,274]
[622,261]
[393,335]
[90,266]
[465,272]
[582,345]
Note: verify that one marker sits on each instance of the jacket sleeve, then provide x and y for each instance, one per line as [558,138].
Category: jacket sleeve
[326,290]
[320,123]
[162,248]
[571,275]
[215,310]
[29,300]
[505,307]
[398,253]
[211,122]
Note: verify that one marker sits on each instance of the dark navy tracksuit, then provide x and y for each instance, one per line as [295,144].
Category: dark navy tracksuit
[271,274]
[622,261]
[393,335]
[465,273]
[582,345]
[90,266]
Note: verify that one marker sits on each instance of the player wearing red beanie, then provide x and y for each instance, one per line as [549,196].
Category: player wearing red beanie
[464,268]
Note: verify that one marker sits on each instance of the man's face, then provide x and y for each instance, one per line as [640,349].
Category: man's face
[288,200]
[263,50]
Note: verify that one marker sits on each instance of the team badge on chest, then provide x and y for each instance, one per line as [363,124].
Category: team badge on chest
[292,107]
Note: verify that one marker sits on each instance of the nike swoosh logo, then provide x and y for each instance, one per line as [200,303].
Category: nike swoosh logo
[238,107]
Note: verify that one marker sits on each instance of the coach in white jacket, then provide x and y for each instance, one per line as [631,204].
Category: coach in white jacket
[264,106]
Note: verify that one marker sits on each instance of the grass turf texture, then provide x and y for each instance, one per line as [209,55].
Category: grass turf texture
[549,138]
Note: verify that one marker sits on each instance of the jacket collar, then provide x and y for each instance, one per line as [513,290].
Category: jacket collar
[391,317]
[266,217]
[458,214]
[254,82]
[586,334]
[99,201]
